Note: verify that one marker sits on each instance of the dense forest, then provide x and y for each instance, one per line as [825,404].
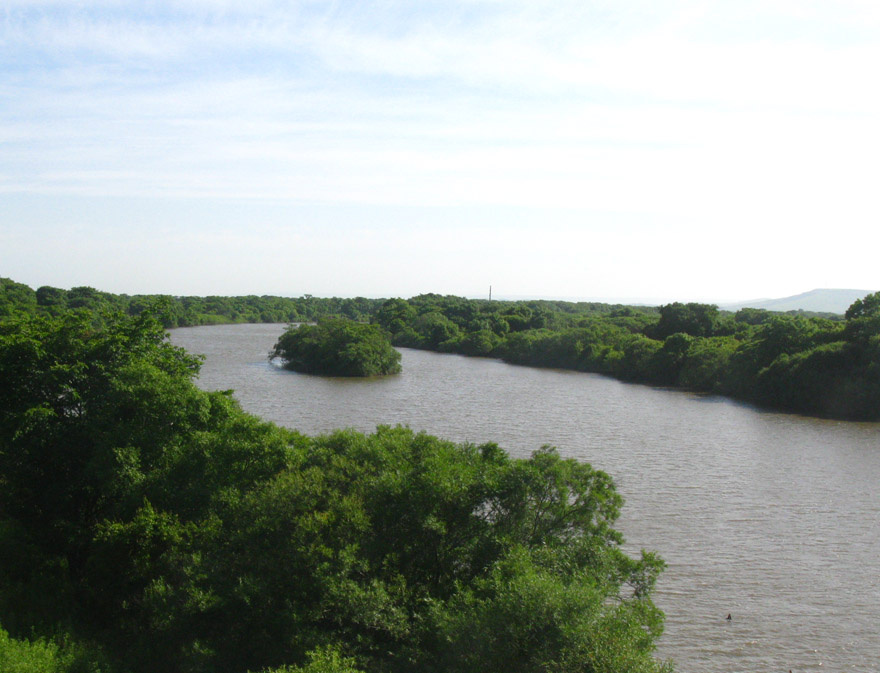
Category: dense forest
[823,365]
[146,525]
[804,363]
[183,311]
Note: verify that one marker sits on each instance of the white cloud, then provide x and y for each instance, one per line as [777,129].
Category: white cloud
[701,118]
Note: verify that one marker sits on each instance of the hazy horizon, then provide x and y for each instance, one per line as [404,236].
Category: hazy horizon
[677,151]
[837,304]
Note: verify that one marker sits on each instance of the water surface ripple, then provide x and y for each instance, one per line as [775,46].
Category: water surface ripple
[770,517]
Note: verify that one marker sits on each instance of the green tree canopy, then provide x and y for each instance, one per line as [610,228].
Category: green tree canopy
[862,308]
[692,319]
[169,530]
[15,298]
[338,347]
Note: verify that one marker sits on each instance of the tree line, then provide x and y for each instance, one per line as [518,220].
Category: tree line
[806,363]
[183,311]
[817,364]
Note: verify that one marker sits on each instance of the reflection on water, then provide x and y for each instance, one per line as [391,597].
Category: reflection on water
[770,517]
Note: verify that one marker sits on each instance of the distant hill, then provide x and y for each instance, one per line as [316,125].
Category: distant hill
[820,301]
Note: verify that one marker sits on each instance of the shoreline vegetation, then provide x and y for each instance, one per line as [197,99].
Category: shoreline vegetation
[147,525]
[337,347]
[816,364]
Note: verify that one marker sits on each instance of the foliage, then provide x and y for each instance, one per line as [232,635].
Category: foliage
[43,655]
[173,532]
[693,319]
[808,363]
[790,361]
[182,311]
[21,656]
[100,430]
[338,347]
[325,660]
[865,307]
[15,297]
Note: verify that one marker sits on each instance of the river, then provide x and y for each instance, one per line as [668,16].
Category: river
[772,518]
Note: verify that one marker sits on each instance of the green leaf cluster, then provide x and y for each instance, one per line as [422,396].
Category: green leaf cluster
[181,311]
[146,525]
[796,362]
[337,347]
[818,364]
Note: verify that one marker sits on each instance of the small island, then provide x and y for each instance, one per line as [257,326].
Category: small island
[337,347]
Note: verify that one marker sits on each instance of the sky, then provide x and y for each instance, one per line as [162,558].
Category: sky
[645,150]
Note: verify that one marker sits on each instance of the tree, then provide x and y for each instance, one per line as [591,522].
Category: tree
[88,297]
[706,363]
[64,395]
[692,319]
[779,335]
[861,308]
[15,298]
[419,554]
[395,315]
[481,342]
[180,534]
[107,454]
[752,316]
[670,359]
[40,656]
[52,298]
[338,347]
[435,329]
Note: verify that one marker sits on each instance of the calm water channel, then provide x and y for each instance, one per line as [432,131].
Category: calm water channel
[770,517]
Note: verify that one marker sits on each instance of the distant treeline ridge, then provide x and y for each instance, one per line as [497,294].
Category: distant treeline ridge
[818,364]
